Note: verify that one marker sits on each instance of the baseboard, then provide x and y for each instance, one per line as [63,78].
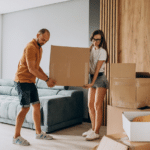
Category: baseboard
[87,120]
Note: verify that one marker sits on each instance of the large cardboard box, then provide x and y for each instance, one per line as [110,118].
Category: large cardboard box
[126,90]
[114,118]
[120,142]
[69,66]
[136,131]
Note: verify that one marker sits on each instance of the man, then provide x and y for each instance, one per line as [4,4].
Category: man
[28,70]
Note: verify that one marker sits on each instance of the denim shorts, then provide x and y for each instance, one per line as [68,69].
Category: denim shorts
[27,93]
[101,81]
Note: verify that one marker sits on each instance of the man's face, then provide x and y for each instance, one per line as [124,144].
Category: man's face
[43,38]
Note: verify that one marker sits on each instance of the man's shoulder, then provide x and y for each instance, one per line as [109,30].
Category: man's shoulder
[30,45]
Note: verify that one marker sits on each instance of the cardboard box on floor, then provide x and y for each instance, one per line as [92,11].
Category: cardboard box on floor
[114,118]
[69,66]
[136,131]
[120,142]
[126,90]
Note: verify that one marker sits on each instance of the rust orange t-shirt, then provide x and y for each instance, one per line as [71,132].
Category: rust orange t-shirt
[32,52]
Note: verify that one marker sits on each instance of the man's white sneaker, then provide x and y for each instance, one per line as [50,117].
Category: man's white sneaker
[92,136]
[44,136]
[87,132]
[21,141]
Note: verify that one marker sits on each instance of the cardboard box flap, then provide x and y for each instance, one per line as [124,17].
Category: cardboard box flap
[141,82]
[143,91]
[123,92]
[122,70]
[111,144]
[69,66]
[121,142]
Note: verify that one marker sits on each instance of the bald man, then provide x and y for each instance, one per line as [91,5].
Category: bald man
[25,78]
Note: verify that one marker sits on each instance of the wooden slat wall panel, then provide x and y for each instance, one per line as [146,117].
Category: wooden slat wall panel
[134,33]
[109,25]
[126,25]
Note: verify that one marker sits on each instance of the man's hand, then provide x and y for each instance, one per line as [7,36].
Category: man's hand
[51,82]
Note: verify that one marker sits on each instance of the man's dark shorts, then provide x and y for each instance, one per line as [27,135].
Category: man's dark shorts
[27,93]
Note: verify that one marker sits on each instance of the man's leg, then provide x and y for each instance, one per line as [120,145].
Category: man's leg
[23,90]
[19,120]
[37,117]
[37,122]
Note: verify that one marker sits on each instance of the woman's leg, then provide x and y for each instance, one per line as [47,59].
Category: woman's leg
[91,100]
[99,98]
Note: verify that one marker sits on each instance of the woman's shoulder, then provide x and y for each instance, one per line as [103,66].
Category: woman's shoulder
[102,50]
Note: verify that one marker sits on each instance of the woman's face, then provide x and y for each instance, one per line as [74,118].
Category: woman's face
[96,40]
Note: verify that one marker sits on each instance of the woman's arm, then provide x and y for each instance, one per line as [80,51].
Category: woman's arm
[98,66]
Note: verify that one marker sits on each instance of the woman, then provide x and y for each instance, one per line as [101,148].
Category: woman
[98,84]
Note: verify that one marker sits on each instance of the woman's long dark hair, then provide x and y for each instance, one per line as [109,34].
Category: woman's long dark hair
[103,43]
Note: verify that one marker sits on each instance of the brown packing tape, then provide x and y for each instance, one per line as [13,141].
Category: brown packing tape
[126,104]
[123,83]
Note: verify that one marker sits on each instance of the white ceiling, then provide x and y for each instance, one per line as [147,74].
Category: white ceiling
[7,6]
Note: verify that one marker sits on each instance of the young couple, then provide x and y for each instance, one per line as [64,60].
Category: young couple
[29,69]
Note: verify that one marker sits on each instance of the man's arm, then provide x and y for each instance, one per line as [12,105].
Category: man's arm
[40,69]
[31,63]
[38,73]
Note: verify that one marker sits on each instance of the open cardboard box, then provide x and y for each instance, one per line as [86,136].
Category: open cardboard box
[120,142]
[136,131]
[69,66]
[114,118]
[126,90]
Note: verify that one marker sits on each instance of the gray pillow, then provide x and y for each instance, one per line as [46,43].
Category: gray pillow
[47,92]
[5,90]
[6,82]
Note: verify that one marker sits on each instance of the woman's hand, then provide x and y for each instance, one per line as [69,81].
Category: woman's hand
[88,86]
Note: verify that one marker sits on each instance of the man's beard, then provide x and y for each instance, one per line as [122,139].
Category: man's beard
[39,43]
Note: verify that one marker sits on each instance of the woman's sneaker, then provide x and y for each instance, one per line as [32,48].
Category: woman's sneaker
[44,136]
[20,141]
[87,132]
[92,136]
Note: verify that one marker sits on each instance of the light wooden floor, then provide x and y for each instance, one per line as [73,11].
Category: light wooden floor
[65,139]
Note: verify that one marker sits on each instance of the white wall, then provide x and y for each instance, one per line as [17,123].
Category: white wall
[68,23]
[94,16]
[0,45]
